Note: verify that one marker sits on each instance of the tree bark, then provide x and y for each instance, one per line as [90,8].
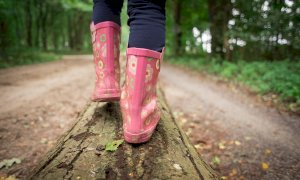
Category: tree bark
[44,21]
[28,23]
[70,31]
[78,38]
[38,7]
[219,12]
[177,26]
[79,154]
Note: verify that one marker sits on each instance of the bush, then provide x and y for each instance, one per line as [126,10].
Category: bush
[23,57]
[279,77]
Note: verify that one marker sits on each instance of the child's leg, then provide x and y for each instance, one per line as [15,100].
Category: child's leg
[147,24]
[107,10]
[144,54]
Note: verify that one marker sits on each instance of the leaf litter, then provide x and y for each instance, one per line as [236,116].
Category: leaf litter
[113,146]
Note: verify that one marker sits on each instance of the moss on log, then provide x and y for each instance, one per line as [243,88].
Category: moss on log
[79,153]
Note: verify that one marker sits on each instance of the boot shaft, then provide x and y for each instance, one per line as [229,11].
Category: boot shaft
[106,43]
[138,99]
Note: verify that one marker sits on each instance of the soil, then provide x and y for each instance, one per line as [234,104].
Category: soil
[233,130]
[38,104]
[240,136]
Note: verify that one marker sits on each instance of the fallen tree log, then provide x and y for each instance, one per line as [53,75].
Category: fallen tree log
[79,153]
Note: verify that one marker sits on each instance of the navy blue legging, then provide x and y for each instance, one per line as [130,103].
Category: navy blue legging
[146,20]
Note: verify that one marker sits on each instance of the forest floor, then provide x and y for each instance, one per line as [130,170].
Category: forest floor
[232,129]
[240,135]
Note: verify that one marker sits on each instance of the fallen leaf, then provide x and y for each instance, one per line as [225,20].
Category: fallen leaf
[198,146]
[237,143]
[224,177]
[40,119]
[216,160]
[113,146]
[9,162]
[268,151]
[240,161]
[192,125]
[44,141]
[189,131]
[247,138]
[221,146]
[233,172]
[182,121]
[264,166]
[45,125]
[177,114]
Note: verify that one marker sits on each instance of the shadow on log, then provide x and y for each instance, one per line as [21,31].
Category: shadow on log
[79,153]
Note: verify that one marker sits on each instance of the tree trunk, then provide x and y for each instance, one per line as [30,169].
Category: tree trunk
[176,26]
[28,23]
[78,38]
[219,12]
[44,26]
[70,31]
[38,6]
[79,154]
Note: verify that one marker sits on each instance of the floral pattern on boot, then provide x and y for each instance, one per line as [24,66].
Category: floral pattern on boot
[106,42]
[139,107]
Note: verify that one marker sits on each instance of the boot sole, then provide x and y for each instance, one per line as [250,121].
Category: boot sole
[138,138]
[107,97]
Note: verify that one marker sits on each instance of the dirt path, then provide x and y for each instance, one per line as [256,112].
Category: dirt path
[239,130]
[40,102]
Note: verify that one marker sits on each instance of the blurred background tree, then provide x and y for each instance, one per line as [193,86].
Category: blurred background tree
[219,35]
[229,29]
[235,29]
[255,43]
[45,25]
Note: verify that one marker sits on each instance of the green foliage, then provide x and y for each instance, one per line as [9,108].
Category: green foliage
[77,5]
[216,160]
[279,77]
[49,25]
[268,29]
[263,24]
[24,57]
[124,28]
[113,146]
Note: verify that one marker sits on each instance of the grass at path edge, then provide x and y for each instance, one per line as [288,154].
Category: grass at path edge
[280,79]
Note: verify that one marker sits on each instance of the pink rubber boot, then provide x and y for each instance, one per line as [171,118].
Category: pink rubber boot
[106,42]
[138,98]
